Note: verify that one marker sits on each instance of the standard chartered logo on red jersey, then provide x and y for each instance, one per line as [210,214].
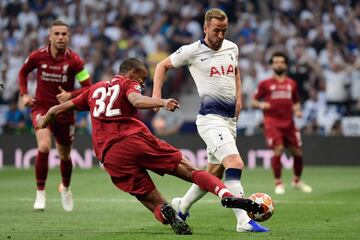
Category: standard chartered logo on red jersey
[51,77]
[281,92]
[54,77]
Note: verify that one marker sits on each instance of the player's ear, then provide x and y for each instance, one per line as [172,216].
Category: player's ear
[131,73]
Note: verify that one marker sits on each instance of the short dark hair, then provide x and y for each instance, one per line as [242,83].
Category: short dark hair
[59,23]
[129,64]
[279,54]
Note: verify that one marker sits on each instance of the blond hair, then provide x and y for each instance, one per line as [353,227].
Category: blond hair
[214,13]
[59,23]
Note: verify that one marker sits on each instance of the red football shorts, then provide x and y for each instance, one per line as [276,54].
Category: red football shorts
[282,136]
[126,162]
[62,131]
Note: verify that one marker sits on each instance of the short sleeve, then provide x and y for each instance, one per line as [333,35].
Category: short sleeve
[183,55]
[78,63]
[132,86]
[260,91]
[81,102]
[30,62]
[236,55]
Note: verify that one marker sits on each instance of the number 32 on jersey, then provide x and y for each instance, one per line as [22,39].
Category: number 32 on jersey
[101,94]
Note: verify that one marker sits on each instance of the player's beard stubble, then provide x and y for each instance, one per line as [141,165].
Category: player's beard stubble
[279,71]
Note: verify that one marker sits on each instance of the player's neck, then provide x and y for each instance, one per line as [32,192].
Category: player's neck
[280,78]
[55,52]
[206,42]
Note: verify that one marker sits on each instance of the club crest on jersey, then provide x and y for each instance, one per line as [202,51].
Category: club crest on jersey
[65,68]
[222,70]
[138,87]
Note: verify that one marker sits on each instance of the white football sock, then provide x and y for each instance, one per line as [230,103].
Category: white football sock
[191,196]
[236,188]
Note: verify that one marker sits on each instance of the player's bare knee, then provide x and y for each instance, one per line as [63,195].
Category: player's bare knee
[278,150]
[64,155]
[43,147]
[233,161]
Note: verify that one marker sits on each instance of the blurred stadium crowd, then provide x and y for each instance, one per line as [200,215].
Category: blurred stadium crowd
[321,38]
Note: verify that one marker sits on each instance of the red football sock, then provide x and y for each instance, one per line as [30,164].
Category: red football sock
[210,183]
[66,170]
[298,166]
[41,169]
[276,166]
[158,215]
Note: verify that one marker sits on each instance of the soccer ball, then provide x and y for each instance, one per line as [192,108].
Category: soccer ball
[266,202]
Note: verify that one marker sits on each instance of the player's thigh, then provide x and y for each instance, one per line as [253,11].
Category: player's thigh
[273,137]
[63,132]
[155,154]
[292,137]
[219,137]
[43,139]
[121,164]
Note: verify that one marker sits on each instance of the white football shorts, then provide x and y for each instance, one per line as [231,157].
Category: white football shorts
[219,135]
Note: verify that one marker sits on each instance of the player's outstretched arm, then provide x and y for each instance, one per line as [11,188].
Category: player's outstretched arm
[143,102]
[159,76]
[43,121]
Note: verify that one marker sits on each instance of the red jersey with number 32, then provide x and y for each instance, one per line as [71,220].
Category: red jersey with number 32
[281,96]
[113,117]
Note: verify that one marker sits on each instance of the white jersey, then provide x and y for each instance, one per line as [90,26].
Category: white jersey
[213,73]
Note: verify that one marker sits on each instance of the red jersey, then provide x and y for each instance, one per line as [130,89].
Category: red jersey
[51,73]
[281,96]
[113,117]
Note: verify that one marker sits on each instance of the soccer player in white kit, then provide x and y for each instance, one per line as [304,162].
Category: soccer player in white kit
[213,64]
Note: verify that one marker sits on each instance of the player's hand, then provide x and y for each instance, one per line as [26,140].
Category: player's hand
[264,105]
[171,104]
[28,101]
[298,114]
[63,96]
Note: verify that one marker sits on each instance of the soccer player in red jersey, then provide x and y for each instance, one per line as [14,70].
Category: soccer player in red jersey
[279,100]
[57,67]
[127,148]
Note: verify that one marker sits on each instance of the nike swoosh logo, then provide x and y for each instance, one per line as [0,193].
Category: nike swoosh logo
[203,59]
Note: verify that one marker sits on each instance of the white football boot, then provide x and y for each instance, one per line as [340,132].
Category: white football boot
[301,186]
[66,198]
[279,189]
[251,226]
[40,201]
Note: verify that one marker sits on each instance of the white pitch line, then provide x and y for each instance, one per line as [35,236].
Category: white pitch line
[207,201]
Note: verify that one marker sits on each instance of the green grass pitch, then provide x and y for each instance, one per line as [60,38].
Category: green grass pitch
[332,211]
